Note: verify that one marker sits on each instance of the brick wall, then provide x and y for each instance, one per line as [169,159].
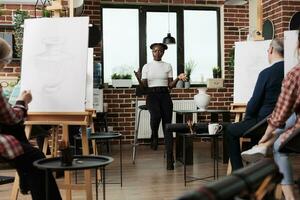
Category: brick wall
[121,110]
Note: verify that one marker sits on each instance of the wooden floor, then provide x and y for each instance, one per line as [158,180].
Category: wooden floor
[148,179]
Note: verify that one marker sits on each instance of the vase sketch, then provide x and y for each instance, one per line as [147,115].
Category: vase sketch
[202,99]
[187,84]
[179,84]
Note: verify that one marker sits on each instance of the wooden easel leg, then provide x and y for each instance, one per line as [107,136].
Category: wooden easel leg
[87,173]
[68,181]
[15,188]
[65,138]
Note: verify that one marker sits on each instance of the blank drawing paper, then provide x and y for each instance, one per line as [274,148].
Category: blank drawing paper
[290,50]
[90,79]
[54,63]
[251,57]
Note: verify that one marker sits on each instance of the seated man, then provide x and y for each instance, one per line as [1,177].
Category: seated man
[14,146]
[287,103]
[260,105]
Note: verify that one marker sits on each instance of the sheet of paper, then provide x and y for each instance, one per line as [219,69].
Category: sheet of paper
[251,58]
[54,63]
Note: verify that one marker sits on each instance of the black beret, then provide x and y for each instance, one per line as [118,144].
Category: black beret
[165,47]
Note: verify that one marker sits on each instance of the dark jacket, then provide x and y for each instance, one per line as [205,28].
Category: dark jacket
[266,92]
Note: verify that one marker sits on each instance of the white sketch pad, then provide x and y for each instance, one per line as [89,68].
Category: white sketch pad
[54,63]
[90,79]
[290,50]
[251,58]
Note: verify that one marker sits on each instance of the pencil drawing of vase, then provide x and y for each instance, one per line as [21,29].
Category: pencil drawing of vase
[51,66]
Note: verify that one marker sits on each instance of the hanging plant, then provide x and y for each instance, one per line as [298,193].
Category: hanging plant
[18,21]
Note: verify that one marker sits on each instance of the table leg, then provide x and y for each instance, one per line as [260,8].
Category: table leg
[47,184]
[103,182]
[184,160]
[214,155]
[96,182]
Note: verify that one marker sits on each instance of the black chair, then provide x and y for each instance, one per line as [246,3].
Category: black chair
[247,182]
[139,92]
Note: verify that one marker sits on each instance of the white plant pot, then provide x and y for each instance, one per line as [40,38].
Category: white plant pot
[202,99]
[121,83]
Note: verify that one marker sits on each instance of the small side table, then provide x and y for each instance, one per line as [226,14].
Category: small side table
[79,163]
[215,139]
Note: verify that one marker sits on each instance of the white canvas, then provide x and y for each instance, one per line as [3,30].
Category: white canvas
[290,50]
[90,79]
[54,63]
[251,58]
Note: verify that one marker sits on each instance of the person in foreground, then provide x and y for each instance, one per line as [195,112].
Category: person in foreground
[14,146]
[260,105]
[157,76]
[288,102]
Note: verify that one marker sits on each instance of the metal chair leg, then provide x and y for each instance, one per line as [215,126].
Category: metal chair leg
[135,142]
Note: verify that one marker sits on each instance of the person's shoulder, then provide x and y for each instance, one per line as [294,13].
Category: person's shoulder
[279,66]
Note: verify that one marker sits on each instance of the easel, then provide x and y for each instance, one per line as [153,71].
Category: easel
[64,120]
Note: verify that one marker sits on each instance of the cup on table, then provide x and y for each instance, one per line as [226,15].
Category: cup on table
[214,128]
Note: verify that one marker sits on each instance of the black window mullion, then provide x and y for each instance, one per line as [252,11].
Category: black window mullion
[142,36]
[180,42]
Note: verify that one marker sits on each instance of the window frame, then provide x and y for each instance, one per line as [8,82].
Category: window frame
[143,9]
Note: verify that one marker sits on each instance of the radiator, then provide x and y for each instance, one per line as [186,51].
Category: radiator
[144,127]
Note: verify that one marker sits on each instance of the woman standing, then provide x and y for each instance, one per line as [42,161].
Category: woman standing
[158,77]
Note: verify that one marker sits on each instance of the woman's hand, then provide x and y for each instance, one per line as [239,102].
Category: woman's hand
[25,96]
[182,77]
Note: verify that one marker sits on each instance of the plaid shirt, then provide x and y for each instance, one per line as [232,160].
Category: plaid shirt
[10,147]
[288,101]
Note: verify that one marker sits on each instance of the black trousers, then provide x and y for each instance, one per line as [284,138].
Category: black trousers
[160,106]
[32,178]
[233,133]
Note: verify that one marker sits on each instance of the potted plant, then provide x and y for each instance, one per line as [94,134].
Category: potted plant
[217,72]
[121,80]
[188,68]
[18,21]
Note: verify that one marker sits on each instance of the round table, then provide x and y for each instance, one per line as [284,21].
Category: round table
[79,163]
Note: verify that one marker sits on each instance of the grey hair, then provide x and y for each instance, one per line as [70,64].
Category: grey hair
[278,45]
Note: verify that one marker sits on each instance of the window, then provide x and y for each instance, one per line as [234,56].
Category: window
[120,41]
[129,30]
[201,43]
[157,29]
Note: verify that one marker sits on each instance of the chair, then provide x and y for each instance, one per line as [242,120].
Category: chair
[252,182]
[139,92]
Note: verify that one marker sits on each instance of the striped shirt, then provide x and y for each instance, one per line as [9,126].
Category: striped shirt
[288,101]
[10,147]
